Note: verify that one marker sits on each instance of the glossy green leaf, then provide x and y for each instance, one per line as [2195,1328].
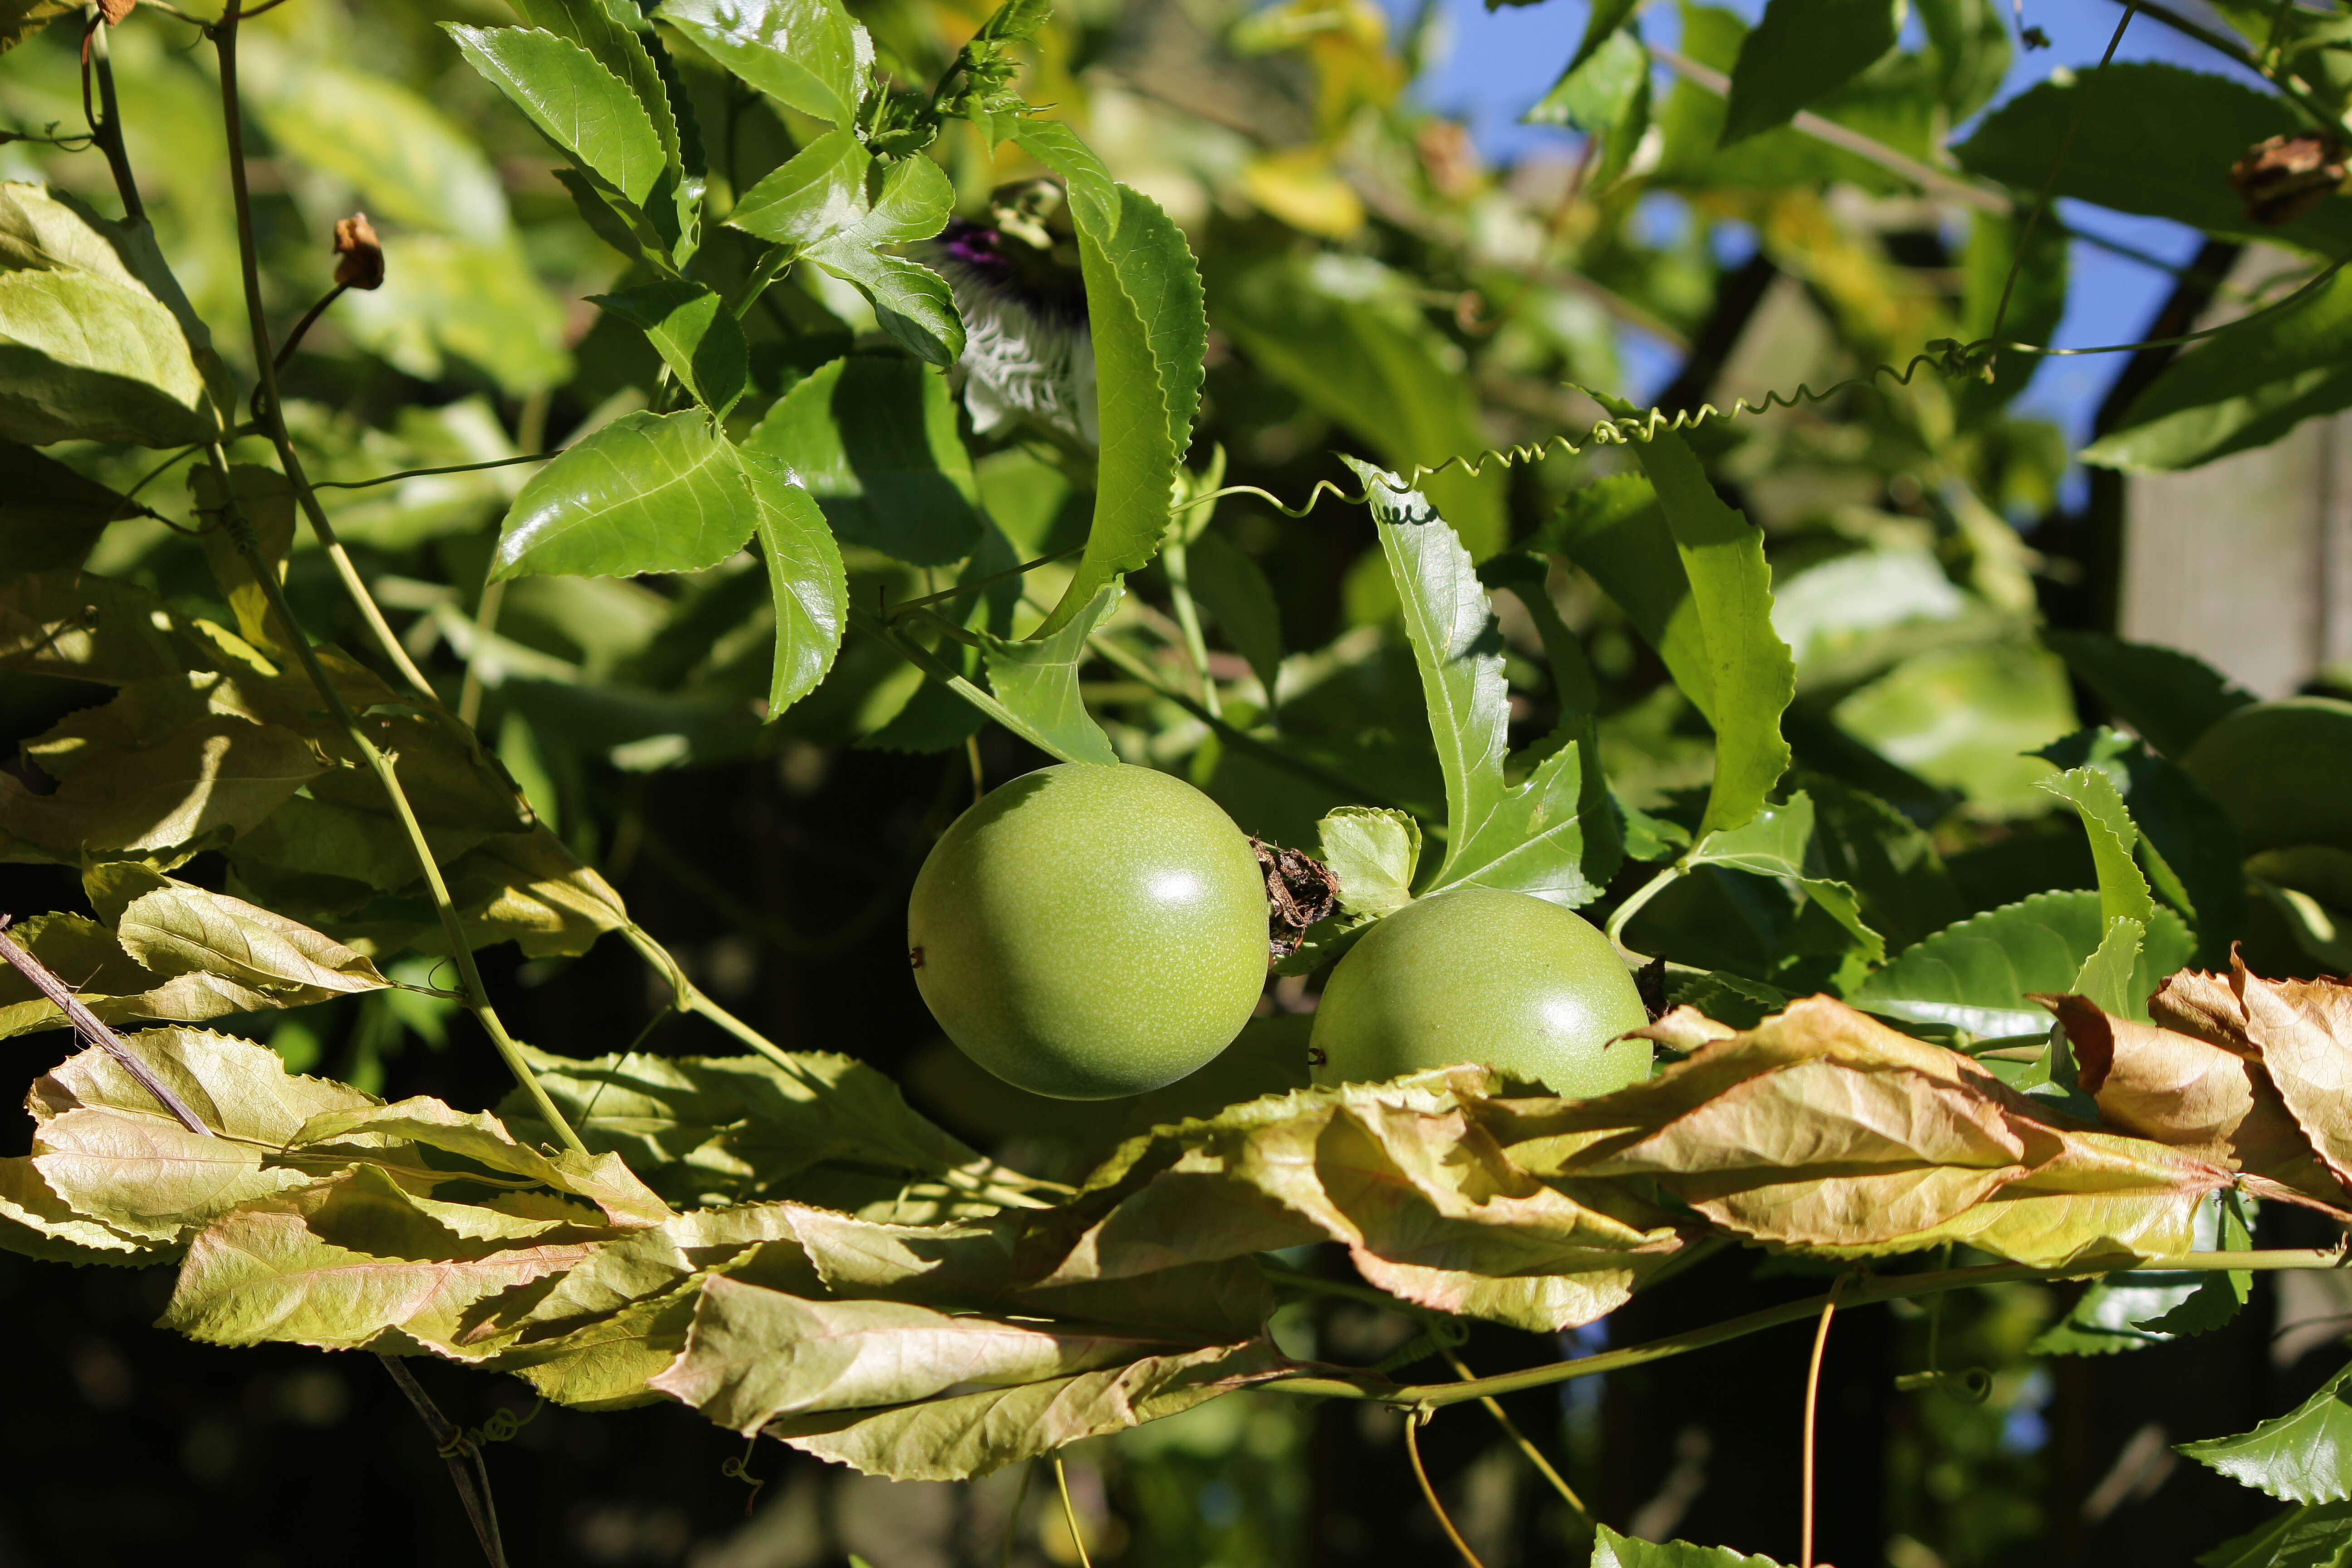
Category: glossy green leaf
[805,54]
[51,517]
[817,194]
[649,492]
[819,204]
[696,335]
[1778,843]
[1978,975]
[2277,770]
[90,348]
[806,584]
[595,28]
[1800,51]
[1598,89]
[1968,717]
[2157,139]
[1526,838]
[1151,333]
[1035,684]
[575,102]
[2245,389]
[1346,336]
[2123,891]
[1750,674]
[2314,1535]
[874,441]
[2305,1456]
[2169,696]
[1373,853]
[2189,847]
[1615,1550]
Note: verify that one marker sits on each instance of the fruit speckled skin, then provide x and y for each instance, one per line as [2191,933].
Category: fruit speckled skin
[1090,931]
[1502,979]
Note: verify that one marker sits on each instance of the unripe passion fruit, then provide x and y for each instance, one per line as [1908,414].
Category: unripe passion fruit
[1506,980]
[1088,931]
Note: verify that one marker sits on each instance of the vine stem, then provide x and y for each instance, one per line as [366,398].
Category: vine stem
[1625,912]
[1812,1401]
[1525,1445]
[273,414]
[1176,563]
[108,130]
[1331,1384]
[455,1447]
[477,995]
[1413,1421]
[1070,1513]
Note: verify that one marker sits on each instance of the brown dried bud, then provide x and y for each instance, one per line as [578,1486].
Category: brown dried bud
[1300,892]
[361,265]
[2283,178]
[115,10]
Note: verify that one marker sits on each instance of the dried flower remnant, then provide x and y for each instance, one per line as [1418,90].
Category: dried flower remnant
[115,10]
[1300,892]
[361,254]
[2284,177]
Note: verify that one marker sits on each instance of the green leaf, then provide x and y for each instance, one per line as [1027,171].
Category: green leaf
[1599,87]
[51,517]
[695,334]
[593,26]
[1979,974]
[1526,839]
[1372,852]
[2315,1535]
[649,492]
[2189,846]
[20,19]
[2277,770]
[1750,675]
[806,582]
[2106,978]
[2123,891]
[2219,1296]
[1968,717]
[1615,1550]
[1885,857]
[873,439]
[574,102]
[818,193]
[2157,139]
[1801,51]
[1970,41]
[1036,685]
[2244,389]
[1234,592]
[266,498]
[1150,335]
[2305,1456]
[1602,23]
[1779,842]
[805,54]
[1348,337]
[90,346]
[113,985]
[2169,696]
[174,928]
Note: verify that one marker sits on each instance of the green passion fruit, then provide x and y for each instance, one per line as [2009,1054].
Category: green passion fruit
[1506,980]
[1090,931]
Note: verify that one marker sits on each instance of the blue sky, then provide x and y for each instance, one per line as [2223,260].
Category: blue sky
[1495,65]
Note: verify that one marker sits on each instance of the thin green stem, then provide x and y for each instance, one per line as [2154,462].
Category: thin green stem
[272,410]
[1813,1408]
[1413,1420]
[1176,564]
[486,623]
[1526,1446]
[977,583]
[428,473]
[1633,906]
[1871,1290]
[1070,1514]
[477,995]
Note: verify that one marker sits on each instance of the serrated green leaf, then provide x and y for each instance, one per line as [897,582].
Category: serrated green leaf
[803,53]
[1800,51]
[1035,684]
[2169,696]
[2123,891]
[1751,676]
[2107,976]
[176,928]
[2157,139]
[649,492]
[1778,843]
[592,25]
[817,194]
[2245,389]
[2189,846]
[51,517]
[2305,1456]
[1151,332]
[873,439]
[1372,852]
[912,302]
[1615,1550]
[574,102]
[1527,839]
[2315,1535]
[806,582]
[91,347]
[695,334]
[1978,975]
[35,1223]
